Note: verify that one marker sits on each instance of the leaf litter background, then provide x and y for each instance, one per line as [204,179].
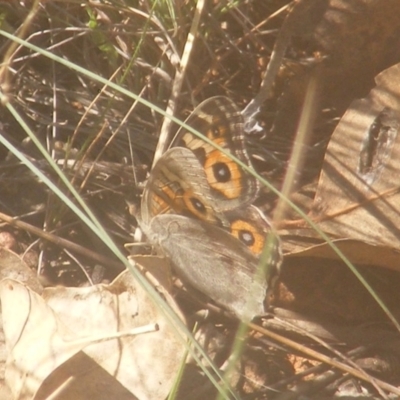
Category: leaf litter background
[348,185]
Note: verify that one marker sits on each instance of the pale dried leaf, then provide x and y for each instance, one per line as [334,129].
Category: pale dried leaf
[135,361]
[41,348]
[36,341]
[12,266]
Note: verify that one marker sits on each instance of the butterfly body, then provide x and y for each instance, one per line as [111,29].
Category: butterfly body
[196,210]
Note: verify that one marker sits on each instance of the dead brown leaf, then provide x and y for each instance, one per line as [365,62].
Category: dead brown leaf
[358,194]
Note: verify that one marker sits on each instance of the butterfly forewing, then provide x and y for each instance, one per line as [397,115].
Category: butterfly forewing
[178,185]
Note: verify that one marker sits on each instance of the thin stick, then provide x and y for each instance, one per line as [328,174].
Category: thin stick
[62,242]
[325,359]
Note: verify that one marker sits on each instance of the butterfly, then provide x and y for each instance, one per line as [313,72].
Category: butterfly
[196,208]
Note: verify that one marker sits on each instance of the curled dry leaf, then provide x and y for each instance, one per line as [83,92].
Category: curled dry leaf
[46,333]
[358,193]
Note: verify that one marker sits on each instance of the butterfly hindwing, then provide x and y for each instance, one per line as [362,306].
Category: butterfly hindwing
[220,120]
